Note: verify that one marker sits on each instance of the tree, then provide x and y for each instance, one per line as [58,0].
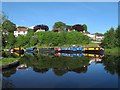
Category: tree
[3,17]
[60,25]
[109,39]
[10,40]
[117,36]
[85,27]
[9,26]
[43,27]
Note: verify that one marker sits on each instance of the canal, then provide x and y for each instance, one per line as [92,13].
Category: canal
[60,70]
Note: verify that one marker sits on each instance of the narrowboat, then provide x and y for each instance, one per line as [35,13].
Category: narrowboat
[18,50]
[32,49]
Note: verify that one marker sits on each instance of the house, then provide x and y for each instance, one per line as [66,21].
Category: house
[99,37]
[92,36]
[76,27]
[56,30]
[40,28]
[96,37]
[20,31]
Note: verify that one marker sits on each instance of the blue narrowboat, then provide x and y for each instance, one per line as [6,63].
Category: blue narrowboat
[80,55]
[80,48]
[30,53]
[64,54]
[31,49]
[73,55]
[73,49]
[64,48]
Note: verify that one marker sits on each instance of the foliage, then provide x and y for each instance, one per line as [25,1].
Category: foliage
[21,27]
[60,65]
[48,39]
[111,38]
[11,40]
[3,17]
[58,39]
[85,27]
[9,26]
[111,64]
[44,27]
[8,40]
[117,37]
[8,60]
[60,25]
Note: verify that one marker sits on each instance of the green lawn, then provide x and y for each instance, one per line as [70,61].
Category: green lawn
[112,51]
[85,45]
[8,60]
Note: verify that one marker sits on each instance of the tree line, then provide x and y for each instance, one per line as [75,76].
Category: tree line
[49,39]
[111,38]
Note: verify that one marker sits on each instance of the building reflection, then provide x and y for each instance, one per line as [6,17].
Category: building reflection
[60,63]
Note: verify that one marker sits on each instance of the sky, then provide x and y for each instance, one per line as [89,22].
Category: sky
[98,16]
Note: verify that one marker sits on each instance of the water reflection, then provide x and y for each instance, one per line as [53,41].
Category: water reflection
[63,62]
[7,83]
[111,64]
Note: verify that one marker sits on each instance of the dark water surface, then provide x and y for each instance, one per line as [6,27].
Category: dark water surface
[49,71]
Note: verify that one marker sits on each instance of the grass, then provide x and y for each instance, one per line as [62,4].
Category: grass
[112,51]
[8,60]
[67,45]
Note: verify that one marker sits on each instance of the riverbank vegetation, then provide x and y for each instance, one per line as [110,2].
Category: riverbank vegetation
[6,61]
[47,39]
[111,42]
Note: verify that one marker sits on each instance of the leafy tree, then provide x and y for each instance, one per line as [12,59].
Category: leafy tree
[33,41]
[9,26]
[60,25]
[11,40]
[109,39]
[44,27]
[118,36]
[4,41]
[85,27]
[21,27]
[3,17]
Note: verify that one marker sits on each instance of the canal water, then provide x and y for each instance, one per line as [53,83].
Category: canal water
[45,70]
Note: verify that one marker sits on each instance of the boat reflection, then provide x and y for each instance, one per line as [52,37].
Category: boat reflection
[60,63]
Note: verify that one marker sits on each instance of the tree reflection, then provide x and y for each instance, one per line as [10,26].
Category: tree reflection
[60,65]
[39,70]
[111,64]
[8,72]
[6,83]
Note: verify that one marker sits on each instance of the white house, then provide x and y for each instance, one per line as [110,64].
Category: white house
[20,31]
[97,37]
[40,30]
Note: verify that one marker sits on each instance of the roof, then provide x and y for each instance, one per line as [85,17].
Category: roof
[99,34]
[86,32]
[56,30]
[22,29]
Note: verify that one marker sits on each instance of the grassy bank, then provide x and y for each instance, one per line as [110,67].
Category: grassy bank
[112,51]
[68,45]
[8,60]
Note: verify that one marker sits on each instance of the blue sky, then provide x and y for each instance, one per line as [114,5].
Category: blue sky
[98,16]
